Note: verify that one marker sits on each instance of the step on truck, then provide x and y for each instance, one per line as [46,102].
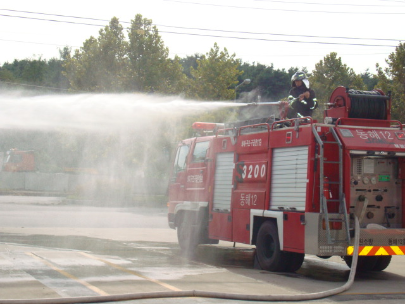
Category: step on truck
[294,186]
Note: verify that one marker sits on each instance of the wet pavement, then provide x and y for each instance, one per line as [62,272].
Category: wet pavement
[99,251]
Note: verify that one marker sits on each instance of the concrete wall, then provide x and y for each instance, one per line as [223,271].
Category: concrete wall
[76,183]
[12,180]
[57,182]
[32,181]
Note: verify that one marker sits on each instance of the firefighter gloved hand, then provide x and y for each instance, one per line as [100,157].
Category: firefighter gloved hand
[315,104]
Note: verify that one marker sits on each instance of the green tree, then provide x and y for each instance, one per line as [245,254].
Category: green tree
[331,73]
[35,74]
[30,71]
[6,75]
[151,70]
[112,56]
[80,68]
[188,62]
[100,64]
[392,78]
[55,75]
[267,82]
[369,80]
[215,76]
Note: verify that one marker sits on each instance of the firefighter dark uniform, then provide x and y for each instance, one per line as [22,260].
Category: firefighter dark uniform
[302,98]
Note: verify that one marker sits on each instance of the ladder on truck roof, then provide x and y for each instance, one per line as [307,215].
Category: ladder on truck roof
[343,217]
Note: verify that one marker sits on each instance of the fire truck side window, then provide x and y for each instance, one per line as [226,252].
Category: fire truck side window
[180,161]
[200,151]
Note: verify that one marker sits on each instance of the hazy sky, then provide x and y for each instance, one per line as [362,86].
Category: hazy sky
[263,31]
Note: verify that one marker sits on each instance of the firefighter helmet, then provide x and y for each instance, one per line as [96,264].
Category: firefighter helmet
[300,76]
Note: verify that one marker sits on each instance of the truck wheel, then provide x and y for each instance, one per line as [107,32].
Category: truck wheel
[364,263]
[325,257]
[382,262]
[187,235]
[268,253]
[294,261]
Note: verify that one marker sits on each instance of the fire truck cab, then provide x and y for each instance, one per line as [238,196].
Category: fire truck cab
[19,161]
[293,187]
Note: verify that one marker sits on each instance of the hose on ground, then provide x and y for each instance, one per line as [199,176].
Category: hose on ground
[207,294]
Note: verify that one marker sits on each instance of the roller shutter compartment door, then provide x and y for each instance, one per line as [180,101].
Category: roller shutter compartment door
[223,182]
[289,178]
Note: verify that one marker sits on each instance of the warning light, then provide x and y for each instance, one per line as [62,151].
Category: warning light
[400,135]
[207,126]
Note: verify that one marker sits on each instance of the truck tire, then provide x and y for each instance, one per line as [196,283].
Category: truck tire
[382,262]
[364,263]
[294,261]
[188,235]
[268,253]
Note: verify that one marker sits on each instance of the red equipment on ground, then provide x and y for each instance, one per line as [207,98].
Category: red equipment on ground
[293,187]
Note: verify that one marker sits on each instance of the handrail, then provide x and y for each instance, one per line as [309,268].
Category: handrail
[366,122]
[342,200]
[320,157]
[223,130]
[254,126]
[293,121]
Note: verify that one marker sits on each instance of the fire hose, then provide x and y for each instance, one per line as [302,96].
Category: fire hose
[207,294]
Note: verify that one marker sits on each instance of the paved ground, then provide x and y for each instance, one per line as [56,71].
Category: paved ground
[53,249]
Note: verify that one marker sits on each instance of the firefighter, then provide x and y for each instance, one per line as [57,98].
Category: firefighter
[302,99]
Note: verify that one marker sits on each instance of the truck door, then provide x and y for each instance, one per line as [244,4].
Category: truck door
[197,172]
[179,176]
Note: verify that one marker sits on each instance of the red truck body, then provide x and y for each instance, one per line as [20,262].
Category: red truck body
[19,161]
[293,187]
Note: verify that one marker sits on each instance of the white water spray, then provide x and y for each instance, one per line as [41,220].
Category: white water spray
[127,138]
[96,112]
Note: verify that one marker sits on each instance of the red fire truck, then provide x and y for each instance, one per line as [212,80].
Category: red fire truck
[19,161]
[293,187]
